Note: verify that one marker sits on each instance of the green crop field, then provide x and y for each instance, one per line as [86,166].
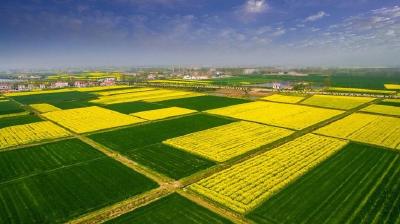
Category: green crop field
[9,107]
[360,184]
[17,120]
[201,103]
[142,135]
[133,107]
[73,104]
[58,195]
[54,97]
[37,159]
[169,161]
[171,209]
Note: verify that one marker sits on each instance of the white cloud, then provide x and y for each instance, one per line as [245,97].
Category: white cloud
[390,33]
[255,6]
[315,17]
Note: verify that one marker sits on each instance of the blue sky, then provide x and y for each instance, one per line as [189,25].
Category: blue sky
[57,33]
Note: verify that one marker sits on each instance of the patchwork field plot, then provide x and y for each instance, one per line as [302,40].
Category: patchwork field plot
[30,133]
[9,107]
[73,104]
[59,195]
[283,98]
[337,102]
[360,184]
[89,119]
[53,97]
[36,159]
[121,91]
[148,96]
[147,134]
[228,141]
[201,103]
[383,109]
[392,86]
[368,128]
[283,115]
[390,102]
[162,113]
[133,107]
[18,120]
[245,185]
[44,107]
[169,161]
[171,209]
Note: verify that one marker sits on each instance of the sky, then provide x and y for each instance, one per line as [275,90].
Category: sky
[74,33]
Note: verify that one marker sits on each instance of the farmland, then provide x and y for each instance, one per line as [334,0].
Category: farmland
[146,95]
[44,107]
[163,113]
[89,119]
[202,103]
[18,120]
[9,107]
[144,135]
[228,141]
[171,209]
[133,107]
[169,161]
[383,109]
[350,187]
[29,133]
[367,128]
[245,185]
[51,97]
[283,115]
[128,154]
[336,102]
[64,193]
[283,98]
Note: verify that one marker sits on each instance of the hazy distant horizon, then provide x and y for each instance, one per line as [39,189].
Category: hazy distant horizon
[44,34]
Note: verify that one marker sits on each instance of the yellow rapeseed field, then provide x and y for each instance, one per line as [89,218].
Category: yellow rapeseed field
[283,115]
[30,133]
[245,185]
[383,109]
[359,90]
[283,98]
[89,119]
[368,128]
[225,142]
[98,88]
[44,107]
[121,91]
[392,86]
[149,96]
[337,102]
[162,113]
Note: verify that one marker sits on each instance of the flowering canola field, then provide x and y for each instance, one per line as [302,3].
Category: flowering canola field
[283,115]
[392,86]
[88,119]
[367,128]
[383,109]
[228,141]
[245,185]
[30,133]
[122,91]
[148,96]
[337,102]
[162,113]
[283,98]
[44,107]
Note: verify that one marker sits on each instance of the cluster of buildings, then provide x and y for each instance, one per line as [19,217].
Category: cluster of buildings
[21,85]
